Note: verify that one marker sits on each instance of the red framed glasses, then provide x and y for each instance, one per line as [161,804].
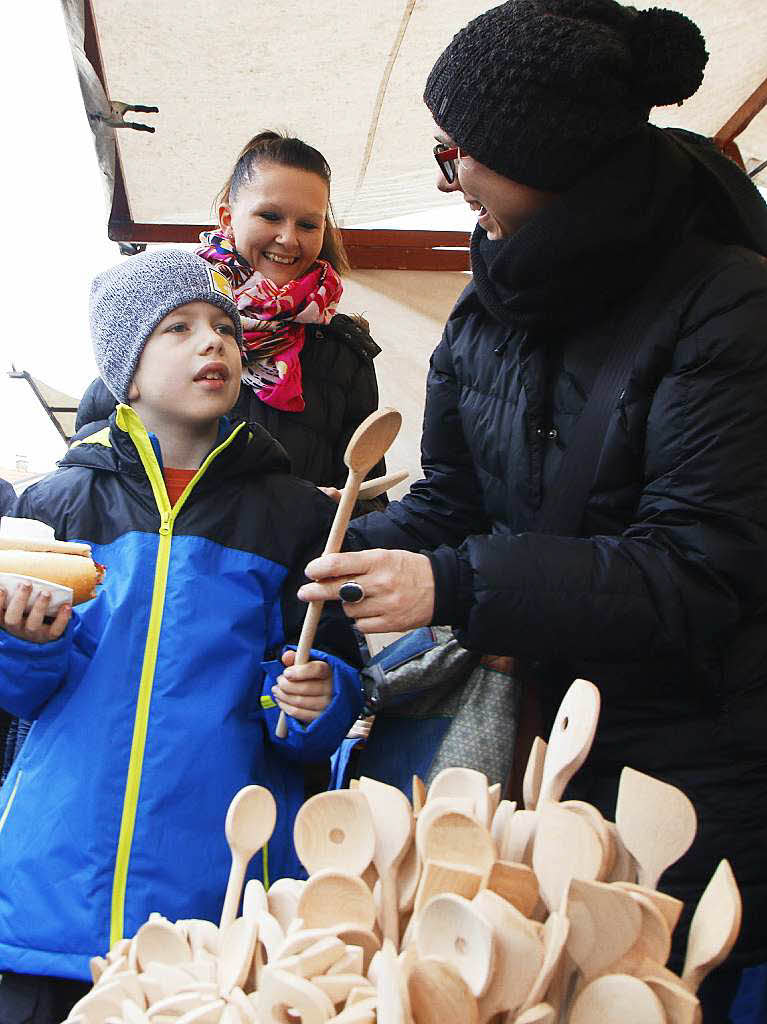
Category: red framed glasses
[446,157]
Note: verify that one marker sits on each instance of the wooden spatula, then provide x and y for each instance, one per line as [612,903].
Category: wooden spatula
[249,824]
[571,737]
[656,823]
[368,444]
[714,926]
[679,1004]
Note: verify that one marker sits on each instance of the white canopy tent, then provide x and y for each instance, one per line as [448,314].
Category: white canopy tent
[347,77]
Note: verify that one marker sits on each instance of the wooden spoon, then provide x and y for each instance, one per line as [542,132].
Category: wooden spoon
[160,942]
[391,987]
[679,1004]
[517,843]
[451,928]
[249,824]
[393,823]
[439,877]
[439,994]
[372,488]
[714,926]
[419,795]
[282,900]
[516,883]
[501,819]
[330,897]
[541,1013]
[555,934]
[283,996]
[238,944]
[617,999]
[531,783]
[335,830]
[518,957]
[561,830]
[650,952]
[453,838]
[367,445]
[605,923]
[669,906]
[571,737]
[464,783]
[656,823]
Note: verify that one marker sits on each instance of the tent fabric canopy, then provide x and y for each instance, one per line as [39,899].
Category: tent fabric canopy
[345,77]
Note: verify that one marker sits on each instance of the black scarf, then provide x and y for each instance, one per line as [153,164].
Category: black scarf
[599,241]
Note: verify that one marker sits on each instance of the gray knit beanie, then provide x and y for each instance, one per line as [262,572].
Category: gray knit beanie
[540,90]
[129,300]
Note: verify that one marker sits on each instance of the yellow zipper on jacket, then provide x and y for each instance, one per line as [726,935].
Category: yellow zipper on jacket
[128,421]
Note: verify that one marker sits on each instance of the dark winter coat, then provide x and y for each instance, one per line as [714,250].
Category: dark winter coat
[340,390]
[662,599]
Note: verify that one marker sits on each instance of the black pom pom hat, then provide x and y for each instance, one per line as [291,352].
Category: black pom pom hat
[539,90]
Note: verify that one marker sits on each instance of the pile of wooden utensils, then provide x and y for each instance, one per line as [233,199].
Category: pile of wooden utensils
[458,907]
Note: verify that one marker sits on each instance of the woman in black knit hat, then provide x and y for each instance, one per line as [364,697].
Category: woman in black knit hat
[623,263]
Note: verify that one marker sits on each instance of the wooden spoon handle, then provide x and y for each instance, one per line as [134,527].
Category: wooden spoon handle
[332,546]
[233,890]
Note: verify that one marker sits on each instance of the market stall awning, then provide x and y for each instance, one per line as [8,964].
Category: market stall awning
[60,407]
[347,77]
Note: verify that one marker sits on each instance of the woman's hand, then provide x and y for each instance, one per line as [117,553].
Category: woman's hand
[31,627]
[332,492]
[398,587]
[303,691]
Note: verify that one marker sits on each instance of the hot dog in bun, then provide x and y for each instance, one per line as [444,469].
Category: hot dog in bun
[26,550]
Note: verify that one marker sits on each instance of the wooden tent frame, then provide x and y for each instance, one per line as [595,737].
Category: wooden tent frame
[367,249]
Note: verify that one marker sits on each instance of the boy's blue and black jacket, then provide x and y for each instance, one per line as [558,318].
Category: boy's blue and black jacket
[148,712]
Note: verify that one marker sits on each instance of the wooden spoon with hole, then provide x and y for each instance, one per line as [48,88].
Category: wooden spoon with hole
[249,824]
[335,830]
[451,928]
[570,741]
[367,446]
[656,823]
[714,926]
[393,823]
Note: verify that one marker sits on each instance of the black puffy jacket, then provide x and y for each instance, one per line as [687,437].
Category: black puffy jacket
[662,599]
[339,388]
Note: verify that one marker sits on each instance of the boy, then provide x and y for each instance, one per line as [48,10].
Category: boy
[152,706]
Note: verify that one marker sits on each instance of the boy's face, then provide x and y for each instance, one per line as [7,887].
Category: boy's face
[190,368]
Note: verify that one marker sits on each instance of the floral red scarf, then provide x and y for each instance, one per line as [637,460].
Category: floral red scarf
[273,319]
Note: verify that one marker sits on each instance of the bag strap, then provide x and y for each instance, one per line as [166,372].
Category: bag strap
[562,508]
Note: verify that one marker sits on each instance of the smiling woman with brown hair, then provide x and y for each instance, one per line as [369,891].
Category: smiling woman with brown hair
[309,377]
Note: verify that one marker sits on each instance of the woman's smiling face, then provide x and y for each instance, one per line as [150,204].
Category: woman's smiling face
[277,220]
